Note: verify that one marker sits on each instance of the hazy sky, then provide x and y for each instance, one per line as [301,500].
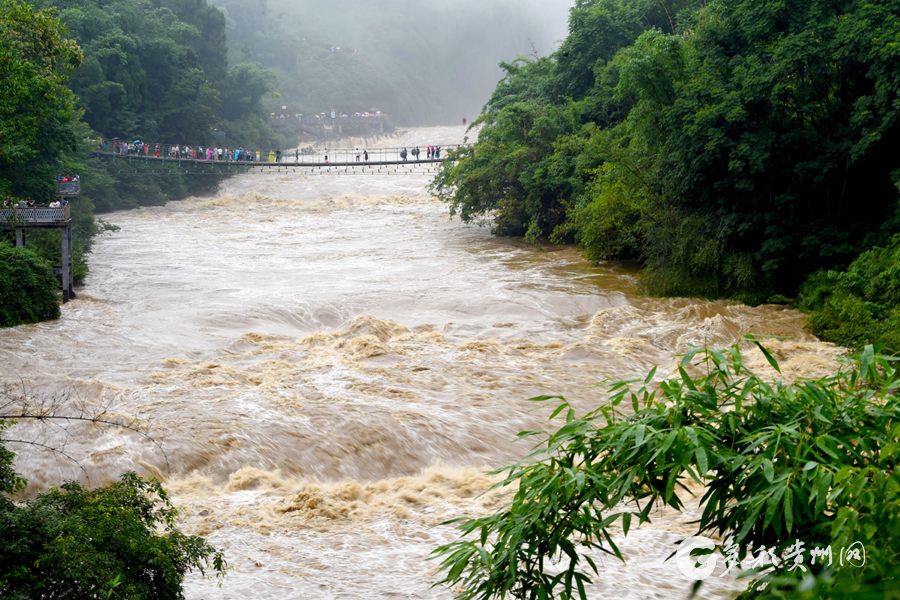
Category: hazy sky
[422,60]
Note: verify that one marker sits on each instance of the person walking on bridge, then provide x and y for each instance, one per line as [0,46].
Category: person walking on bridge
[403,154]
[415,153]
[366,155]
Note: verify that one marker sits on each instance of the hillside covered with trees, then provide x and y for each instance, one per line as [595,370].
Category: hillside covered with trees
[732,147]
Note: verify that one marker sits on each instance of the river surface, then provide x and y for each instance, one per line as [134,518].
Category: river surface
[329,362]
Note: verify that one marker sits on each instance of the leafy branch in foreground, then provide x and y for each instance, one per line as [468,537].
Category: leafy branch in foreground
[812,460]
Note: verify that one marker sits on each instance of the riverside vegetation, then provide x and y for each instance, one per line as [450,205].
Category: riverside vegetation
[118,541]
[733,147]
[737,149]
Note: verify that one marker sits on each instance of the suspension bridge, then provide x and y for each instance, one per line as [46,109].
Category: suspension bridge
[199,160]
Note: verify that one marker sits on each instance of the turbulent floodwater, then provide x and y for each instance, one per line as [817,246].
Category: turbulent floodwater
[330,362]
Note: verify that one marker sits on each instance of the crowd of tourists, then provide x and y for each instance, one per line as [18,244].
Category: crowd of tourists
[216,153]
[431,153]
[183,151]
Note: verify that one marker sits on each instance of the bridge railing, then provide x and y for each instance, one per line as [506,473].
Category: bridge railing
[68,188]
[34,215]
[319,155]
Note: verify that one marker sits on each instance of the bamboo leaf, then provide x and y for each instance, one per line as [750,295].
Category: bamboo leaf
[788,510]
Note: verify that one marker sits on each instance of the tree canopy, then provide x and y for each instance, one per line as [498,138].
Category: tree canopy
[732,146]
[37,109]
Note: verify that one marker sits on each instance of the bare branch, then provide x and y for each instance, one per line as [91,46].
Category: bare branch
[49,448]
[19,404]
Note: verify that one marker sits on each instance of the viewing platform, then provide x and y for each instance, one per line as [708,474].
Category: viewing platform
[23,218]
[34,216]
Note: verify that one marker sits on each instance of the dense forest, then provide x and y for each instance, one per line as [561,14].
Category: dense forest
[77,71]
[734,148]
[419,62]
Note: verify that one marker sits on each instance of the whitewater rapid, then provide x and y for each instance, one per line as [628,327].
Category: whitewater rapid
[330,362]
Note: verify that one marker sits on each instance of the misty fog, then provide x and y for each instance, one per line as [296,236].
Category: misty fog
[420,62]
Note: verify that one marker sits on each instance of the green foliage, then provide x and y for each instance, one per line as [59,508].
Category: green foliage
[609,220]
[812,460]
[142,74]
[37,110]
[514,174]
[118,541]
[732,146]
[28,288]
[860,305]
[246,86]
[10,482]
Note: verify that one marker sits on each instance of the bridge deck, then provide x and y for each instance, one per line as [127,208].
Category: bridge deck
[283,163]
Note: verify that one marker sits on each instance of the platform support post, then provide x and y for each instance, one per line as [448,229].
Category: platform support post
[66,263]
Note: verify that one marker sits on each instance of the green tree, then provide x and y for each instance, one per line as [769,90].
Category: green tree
[858,305]
[37,109]
[117,541]
[247,84]
[28,288]
[812,460]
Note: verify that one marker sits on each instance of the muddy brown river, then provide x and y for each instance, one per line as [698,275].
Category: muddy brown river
[330,362]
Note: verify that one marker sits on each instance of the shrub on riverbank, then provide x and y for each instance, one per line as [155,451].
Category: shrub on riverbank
[28,288]
[786,467]
[118,541]
[860,305]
